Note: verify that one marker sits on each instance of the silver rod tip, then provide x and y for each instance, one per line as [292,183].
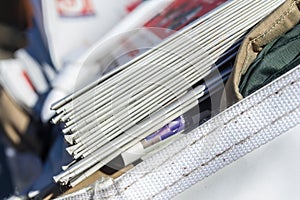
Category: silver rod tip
[69,139]
[73,148]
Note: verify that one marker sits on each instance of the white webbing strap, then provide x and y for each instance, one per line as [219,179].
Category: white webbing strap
[232,134]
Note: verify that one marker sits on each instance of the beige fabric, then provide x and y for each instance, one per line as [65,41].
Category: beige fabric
[13,118]
[276,24]
[15,123]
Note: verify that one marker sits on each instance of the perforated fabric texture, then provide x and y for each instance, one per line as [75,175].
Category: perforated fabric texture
[227,137]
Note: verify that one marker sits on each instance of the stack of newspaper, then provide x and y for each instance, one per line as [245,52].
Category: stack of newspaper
[151,97]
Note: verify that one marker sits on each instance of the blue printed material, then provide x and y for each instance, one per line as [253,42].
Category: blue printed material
[165,132]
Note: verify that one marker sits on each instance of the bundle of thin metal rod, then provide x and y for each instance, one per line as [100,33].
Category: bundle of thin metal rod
[112,114]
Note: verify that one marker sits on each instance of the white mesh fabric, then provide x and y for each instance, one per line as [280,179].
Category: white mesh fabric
[227,137]
[239,130]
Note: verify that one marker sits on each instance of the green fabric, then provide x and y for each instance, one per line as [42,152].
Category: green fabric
[275,59]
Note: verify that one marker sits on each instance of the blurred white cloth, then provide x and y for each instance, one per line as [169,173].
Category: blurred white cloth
[270,172]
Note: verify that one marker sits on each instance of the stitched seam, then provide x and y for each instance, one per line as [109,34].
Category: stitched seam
[228,149]
[211,131]
[277,22]
[207,135]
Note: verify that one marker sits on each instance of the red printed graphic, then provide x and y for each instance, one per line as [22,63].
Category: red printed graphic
[75,8]
[28,80]
[181,13]
[133,5]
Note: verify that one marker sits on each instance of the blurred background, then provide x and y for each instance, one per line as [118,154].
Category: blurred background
[41,44]
[270,172]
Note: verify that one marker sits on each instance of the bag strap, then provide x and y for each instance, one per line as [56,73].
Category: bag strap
[276,24]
